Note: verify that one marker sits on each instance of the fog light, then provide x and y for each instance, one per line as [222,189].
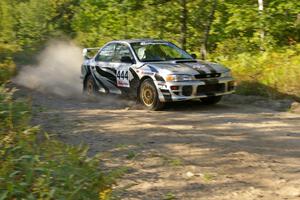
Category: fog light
[174,87]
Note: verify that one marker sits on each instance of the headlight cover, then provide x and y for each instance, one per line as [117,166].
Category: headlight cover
[226,74]
[179,77]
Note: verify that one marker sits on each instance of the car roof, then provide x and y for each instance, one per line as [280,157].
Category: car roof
[140,40]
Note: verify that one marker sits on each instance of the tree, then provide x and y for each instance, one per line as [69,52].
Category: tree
[8,45]
[184,18]
[207,29]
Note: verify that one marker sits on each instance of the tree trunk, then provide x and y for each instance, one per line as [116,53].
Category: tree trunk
[207,30]
[125,27]
[261,32]
[183,20]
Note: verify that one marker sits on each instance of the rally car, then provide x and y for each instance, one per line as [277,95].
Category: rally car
[154,72]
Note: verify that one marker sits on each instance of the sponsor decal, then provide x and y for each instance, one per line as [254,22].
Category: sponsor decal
[122,83]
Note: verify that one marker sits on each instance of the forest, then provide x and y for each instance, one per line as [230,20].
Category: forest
[259,40]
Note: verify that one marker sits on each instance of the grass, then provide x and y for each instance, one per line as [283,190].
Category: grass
[175,162]
[169,160]
[169,196]
[35,168]
[272,73]
[208,177]
[172,161]
[131,155]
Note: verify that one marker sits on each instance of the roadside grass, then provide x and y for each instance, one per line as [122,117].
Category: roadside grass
[175,162]
[33,168]
[207,177]
[169,196]
[172,161]
[7,67]
[169,160]
[273,73]
[131,155]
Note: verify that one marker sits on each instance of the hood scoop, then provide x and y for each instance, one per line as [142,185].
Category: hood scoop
[185,61]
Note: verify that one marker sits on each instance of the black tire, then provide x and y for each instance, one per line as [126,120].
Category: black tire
[149,97]
[90,88]
[211,100]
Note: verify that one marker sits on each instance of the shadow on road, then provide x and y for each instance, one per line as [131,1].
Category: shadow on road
[228,149]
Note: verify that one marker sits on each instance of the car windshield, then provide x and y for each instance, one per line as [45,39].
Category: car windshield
[151,52]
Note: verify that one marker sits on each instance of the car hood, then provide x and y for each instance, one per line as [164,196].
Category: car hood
[187,67]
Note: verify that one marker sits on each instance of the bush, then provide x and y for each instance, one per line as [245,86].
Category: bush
[44,168]
[272,73]
[7,70]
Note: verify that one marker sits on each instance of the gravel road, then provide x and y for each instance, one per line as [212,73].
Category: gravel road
[234,151]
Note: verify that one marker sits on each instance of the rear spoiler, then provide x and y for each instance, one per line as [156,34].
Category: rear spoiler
[85,51]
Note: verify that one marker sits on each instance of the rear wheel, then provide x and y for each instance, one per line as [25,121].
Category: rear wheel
[90,87]
[211,100]
[149,96]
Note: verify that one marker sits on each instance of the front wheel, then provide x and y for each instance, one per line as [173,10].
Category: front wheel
[149,96]
[211,100]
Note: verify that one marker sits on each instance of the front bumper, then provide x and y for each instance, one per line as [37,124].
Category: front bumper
[187,90]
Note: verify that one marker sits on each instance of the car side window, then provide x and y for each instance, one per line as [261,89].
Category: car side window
[106,54]
[122,51]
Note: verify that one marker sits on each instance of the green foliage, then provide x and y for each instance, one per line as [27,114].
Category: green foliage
[32,168]
[239,33]
[131,155]
[236,25]
[271,73]
[7,70]
[8,45]
[169,196]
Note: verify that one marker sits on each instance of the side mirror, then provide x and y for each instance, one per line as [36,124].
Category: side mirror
[194,55]
[126,59]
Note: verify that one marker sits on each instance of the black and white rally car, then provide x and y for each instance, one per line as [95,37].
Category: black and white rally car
[154,72]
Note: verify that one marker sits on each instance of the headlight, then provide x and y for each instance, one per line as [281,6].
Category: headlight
[179,77]
[226,74]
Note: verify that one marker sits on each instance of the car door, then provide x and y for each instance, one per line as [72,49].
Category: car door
[104,70]
[122,65]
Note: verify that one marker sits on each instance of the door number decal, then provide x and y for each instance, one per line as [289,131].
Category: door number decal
[122,78]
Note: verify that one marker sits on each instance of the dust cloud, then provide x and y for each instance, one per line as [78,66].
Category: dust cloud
[57,71]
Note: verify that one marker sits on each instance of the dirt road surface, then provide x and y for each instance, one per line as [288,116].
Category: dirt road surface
[188,151]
